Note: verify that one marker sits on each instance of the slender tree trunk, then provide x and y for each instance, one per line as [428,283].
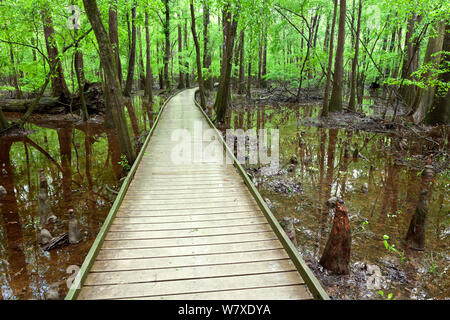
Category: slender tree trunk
[78,65]
[167,44]
[336,93]
[14,74]
[198,57]
[114,37]
[59,86]
[180,61]
[241,84]
[351,103]
[206,50]
[223,92]
[330,62]
[148,91]
[141,61]
[113,95]
[132,54]
[186,49]
[264,60]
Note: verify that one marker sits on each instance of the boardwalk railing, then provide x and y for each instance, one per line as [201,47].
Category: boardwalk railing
[93,252]
[311,281]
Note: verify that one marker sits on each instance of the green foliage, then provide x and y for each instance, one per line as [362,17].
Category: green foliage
[124,163]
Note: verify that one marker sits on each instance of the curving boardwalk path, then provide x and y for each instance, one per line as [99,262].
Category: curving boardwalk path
[189,231]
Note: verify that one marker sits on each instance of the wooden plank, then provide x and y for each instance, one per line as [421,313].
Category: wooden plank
[187,232]
[291,292]
[187,250]
[186,261]
[199,211]
[187,241]
[175,200]
[186,225]
[201,205]
[175,192]
[157,288]
[198,195]
[187,218]
[221,270]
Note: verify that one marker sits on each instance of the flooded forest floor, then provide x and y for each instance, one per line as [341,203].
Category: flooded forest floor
[377,167]
[83,166]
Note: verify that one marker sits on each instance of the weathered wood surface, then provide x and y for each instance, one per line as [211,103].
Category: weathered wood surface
[190,231]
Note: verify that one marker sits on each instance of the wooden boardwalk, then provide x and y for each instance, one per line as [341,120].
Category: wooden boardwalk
[190,231]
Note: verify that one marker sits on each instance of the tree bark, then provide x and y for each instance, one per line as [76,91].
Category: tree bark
[415,237]
[58,83]
[114,37]
[325,108]
[433,58]
[167,44]
[148,91]
[180,61]
[198,57]
[113,95]
[132,54]
[336,256]
[336,93]
[439,113]
[352,102]
[206,50]
[223,92]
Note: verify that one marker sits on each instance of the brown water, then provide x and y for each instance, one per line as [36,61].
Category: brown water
[79,160]
[391,166]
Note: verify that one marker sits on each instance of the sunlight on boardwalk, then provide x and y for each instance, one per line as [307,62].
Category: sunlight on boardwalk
[190,231]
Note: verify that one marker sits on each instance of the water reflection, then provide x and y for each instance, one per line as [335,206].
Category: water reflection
[78,161]
[380,178]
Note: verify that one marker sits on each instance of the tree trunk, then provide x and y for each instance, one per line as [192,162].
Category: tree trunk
[415,237]
[141,61]
[439,113]
[132,54]
[223,92]
[3,122]
[208,83]
[336,256]
[59,86]
[186,49]
[351,103]
[180,61]
[330,62]
[148,92]
[241,84]
[198,57]
[264,60]
[114,37]
[431,57]
[336,93]
[113,95]
[167,44]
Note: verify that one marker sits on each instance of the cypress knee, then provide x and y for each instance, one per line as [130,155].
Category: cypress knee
[415,237]
[336,256]
[74,230]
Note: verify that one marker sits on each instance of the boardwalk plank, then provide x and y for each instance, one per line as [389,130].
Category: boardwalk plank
[157,288]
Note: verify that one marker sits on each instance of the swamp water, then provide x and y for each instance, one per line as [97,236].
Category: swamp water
[380,184]
[80,162]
